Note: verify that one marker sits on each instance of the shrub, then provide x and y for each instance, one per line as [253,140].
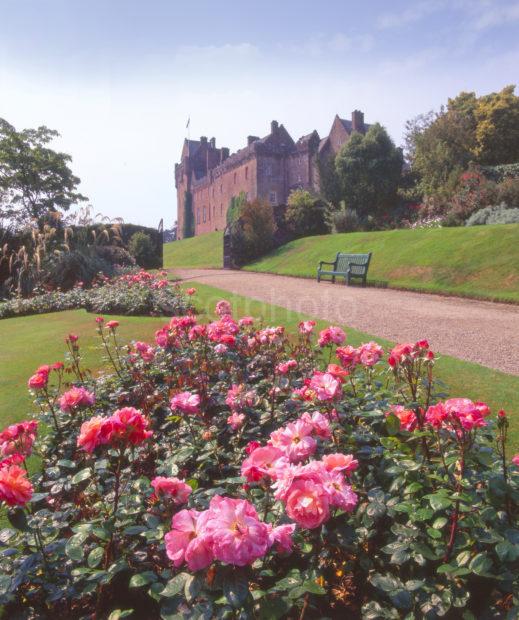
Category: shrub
[228,470]
[115,255]
[344,220]
[508,192]
[252,233]
[494,215]
[306,214]
[131,294]
[142,249]
[65,269]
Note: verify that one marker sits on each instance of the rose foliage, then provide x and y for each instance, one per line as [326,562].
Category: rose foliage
[229,470]
[135,293]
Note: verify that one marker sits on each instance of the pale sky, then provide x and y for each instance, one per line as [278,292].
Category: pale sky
[118,79]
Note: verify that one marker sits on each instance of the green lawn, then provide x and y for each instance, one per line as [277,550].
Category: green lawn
[28,342]
[203,251]
[478,261]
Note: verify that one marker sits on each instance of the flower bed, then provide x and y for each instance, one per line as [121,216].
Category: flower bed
[228,471]
[139,293]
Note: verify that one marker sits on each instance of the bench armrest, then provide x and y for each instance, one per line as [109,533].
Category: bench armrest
[323,262]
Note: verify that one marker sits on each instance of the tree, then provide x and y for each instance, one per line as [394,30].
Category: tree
[439,147]
[485,130]
[252,233]
[36,182]
[330,187]
[189,216]
[497,128]
[369,168]
[306,214]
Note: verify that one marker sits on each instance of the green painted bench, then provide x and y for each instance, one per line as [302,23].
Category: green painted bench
[347,266]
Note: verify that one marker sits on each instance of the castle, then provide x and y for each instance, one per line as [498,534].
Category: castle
[269,168]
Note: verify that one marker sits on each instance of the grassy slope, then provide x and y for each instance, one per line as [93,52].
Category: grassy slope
[203,251]
[481,261]
[28,342]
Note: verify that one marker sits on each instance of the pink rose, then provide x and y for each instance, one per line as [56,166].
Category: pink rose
[76,397]
[307,504]
[188,541]
[18,438]
[306,327]
[285,367]
[325,385]
[263,462]
[127,425]
[186,402]
[295,440]
[515,460]
[340,462]
[245,321]
[91,434]
[38,381]
[238,536]
[235,420]
[173,488]
[223,308]
[331,335]
[407,417]
[281,536]
[15,488]
[348,356]
[191,291]
[370,353]
[112,325]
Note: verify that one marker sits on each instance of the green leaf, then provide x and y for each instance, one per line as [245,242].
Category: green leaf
[236,588]
[438,501]
[142,579]
[18,519]
[313,587]
[392,424]
[95,557]
[174,585]
[120,613]
[84,474]
[434,533]
[480,564]
[74,547]
[273,608]
[192,587]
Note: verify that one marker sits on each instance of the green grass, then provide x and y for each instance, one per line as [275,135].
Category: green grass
[477,261]
[30,341]
[203,251]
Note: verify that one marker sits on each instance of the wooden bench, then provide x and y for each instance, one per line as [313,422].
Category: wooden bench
[348,266]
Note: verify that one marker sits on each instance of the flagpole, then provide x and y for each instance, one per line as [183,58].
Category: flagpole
[189,127]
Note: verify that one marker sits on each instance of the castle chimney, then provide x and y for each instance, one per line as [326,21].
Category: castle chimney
[274,126]
[251,139]
[203,139]
[212,143]
[224,153]
[357,121]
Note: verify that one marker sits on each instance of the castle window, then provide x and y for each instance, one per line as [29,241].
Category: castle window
[213,192]
[246,172]
[204,213]
[221,189]
[221,209]
[209,212]
[268,170]
[235,177]
[198,216]
[272,198]
[214,209]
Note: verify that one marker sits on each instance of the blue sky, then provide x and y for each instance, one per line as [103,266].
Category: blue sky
[119,79]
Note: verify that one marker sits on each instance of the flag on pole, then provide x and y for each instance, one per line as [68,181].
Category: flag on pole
[188,121]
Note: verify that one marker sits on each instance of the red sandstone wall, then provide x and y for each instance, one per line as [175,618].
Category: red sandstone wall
[216,196]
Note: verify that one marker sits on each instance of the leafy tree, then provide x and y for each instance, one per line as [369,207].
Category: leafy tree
[330,186]
[252,233]
[306,214]
[235,205]
[36,182]
[189,216]
[497,128]
[369,168]
[485,130]
[439,147]
[142,249]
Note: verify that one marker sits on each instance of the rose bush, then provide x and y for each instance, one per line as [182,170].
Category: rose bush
[229,470]
[135,293]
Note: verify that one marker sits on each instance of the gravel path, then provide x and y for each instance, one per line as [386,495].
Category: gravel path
[477,331]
